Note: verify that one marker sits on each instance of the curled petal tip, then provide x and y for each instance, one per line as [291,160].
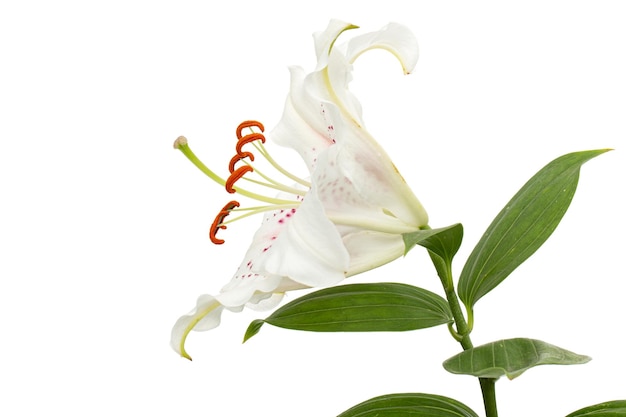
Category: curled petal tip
[205,316]
[180,141]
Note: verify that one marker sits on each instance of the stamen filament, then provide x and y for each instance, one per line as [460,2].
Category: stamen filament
[272,183]
[352,219]
[237,173]
[260,209]
[275,185]
[252,137]
[266,155]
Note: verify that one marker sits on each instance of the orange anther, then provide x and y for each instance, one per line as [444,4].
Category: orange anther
[217,223]
[238,173]
[247,139]
[249,123]
[237,158]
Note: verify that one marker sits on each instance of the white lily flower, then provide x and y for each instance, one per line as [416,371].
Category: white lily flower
[348,218]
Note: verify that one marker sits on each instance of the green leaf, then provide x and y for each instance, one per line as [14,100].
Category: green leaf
[361,308]
[253,329]
[444,241]
[522,226]
[510,357]
[410,405]
[442,245]
[615,408]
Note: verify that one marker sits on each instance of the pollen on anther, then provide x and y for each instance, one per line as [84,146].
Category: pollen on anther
[237,158]
[247,139]
[235,176]
[219,219]
[249,123]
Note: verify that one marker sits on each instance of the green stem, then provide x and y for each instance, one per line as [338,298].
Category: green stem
[463,329]
[461,325]
[488,387]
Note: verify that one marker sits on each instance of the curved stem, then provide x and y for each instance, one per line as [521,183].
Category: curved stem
[487,385]
[463,329]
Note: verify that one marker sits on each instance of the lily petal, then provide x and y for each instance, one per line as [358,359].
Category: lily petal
[286,254]
[307,125]
[369,249]
[205,316]
[395,38]
[310,251]
[357,179]
[325,41]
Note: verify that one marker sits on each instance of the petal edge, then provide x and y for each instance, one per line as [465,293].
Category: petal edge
[205,316]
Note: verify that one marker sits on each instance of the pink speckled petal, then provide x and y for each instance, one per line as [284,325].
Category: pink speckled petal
[293,248]
[307,124]
[358,183]
[310,250]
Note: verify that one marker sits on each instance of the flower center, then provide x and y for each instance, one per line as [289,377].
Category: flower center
[240,167]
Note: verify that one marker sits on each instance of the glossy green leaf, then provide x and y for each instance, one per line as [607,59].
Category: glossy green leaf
[522,226]
[615,408]
[444,241]
[253,329]
[510,357]
[361,308]
[442,245]
[410,405]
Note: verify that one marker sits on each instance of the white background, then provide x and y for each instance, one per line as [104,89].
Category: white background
[104,227]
